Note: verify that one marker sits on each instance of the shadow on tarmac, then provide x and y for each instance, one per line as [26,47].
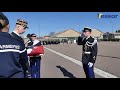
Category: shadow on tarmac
[109,56]
[65,72]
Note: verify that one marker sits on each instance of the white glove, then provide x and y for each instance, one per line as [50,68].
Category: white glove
[29,51]
[41,54]
[90,64]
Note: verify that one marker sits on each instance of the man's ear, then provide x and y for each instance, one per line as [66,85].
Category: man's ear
[8,27]
[2,22]
[17,26]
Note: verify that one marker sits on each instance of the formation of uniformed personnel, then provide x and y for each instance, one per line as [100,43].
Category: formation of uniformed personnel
[51,41]
[35,61]
[13,54]
[20,28]
[89,54]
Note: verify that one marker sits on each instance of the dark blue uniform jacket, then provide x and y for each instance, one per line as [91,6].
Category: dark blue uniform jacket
[13,57]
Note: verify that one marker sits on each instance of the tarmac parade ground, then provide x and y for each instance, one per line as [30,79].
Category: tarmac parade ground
[64,61]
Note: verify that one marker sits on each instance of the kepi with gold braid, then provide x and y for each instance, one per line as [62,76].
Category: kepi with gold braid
[22,23]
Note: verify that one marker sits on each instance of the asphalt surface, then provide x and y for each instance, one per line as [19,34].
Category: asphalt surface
[55,66]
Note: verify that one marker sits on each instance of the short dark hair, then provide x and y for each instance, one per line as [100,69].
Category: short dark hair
[5,19]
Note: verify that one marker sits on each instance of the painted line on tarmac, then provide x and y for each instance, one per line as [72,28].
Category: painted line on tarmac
[96,70]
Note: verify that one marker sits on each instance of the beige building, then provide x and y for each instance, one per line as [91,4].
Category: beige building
[72,34]
[97,33]
[117,35]
[67,34]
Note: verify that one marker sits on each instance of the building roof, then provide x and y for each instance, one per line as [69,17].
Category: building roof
[96,33]
[74,33]
[98,30]
[67,33]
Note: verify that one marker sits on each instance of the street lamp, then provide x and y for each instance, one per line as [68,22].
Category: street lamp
[112,30]
[39,30]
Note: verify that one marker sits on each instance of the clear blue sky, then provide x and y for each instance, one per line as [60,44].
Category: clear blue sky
[46,22]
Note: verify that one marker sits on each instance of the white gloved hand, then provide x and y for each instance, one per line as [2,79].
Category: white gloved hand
[41,54]
[90,64]
[29,51]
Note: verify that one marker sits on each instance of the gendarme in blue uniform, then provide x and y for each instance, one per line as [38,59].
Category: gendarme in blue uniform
[13,57]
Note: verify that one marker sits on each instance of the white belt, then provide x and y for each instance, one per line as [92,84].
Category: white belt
[87,52]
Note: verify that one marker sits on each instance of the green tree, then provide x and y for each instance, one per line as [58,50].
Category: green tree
[118,31]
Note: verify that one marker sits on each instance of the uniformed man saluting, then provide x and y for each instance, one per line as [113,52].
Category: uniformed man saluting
[13,55]
[90,50]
